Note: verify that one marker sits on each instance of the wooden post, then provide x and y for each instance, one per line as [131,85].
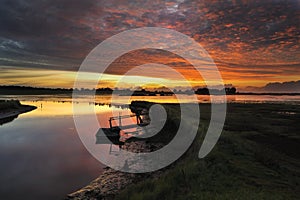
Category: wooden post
[110,149]
[120,120]
[110,125]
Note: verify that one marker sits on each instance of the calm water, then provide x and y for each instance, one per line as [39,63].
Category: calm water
[106,99]
[42,156]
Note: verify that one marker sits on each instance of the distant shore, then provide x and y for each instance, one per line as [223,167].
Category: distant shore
[23,90]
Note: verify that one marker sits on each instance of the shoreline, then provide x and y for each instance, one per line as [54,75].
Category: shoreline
[13,108]
[14,113]
[111,182]
[259,140]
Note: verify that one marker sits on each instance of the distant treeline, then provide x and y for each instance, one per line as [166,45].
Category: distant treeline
[206,91]
[200,91]
[26,90]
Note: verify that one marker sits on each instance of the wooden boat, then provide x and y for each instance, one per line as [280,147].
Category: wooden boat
[112,134]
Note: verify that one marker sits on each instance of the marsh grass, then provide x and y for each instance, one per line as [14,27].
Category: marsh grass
[241,165]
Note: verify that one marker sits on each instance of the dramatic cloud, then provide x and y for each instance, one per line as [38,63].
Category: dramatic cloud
[252,42]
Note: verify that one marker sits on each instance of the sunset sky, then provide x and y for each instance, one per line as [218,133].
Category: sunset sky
[253,43]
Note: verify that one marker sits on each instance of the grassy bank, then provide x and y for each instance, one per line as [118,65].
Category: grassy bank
[11,109]
[257,157]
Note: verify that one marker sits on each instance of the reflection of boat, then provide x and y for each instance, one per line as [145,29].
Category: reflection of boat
[113,133]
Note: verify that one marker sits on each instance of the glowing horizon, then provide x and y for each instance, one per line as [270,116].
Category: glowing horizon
[65,79]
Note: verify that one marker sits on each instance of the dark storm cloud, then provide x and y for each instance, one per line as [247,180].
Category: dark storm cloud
[40,18]
[48,28]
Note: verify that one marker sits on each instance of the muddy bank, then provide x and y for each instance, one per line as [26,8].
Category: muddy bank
[111,182]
